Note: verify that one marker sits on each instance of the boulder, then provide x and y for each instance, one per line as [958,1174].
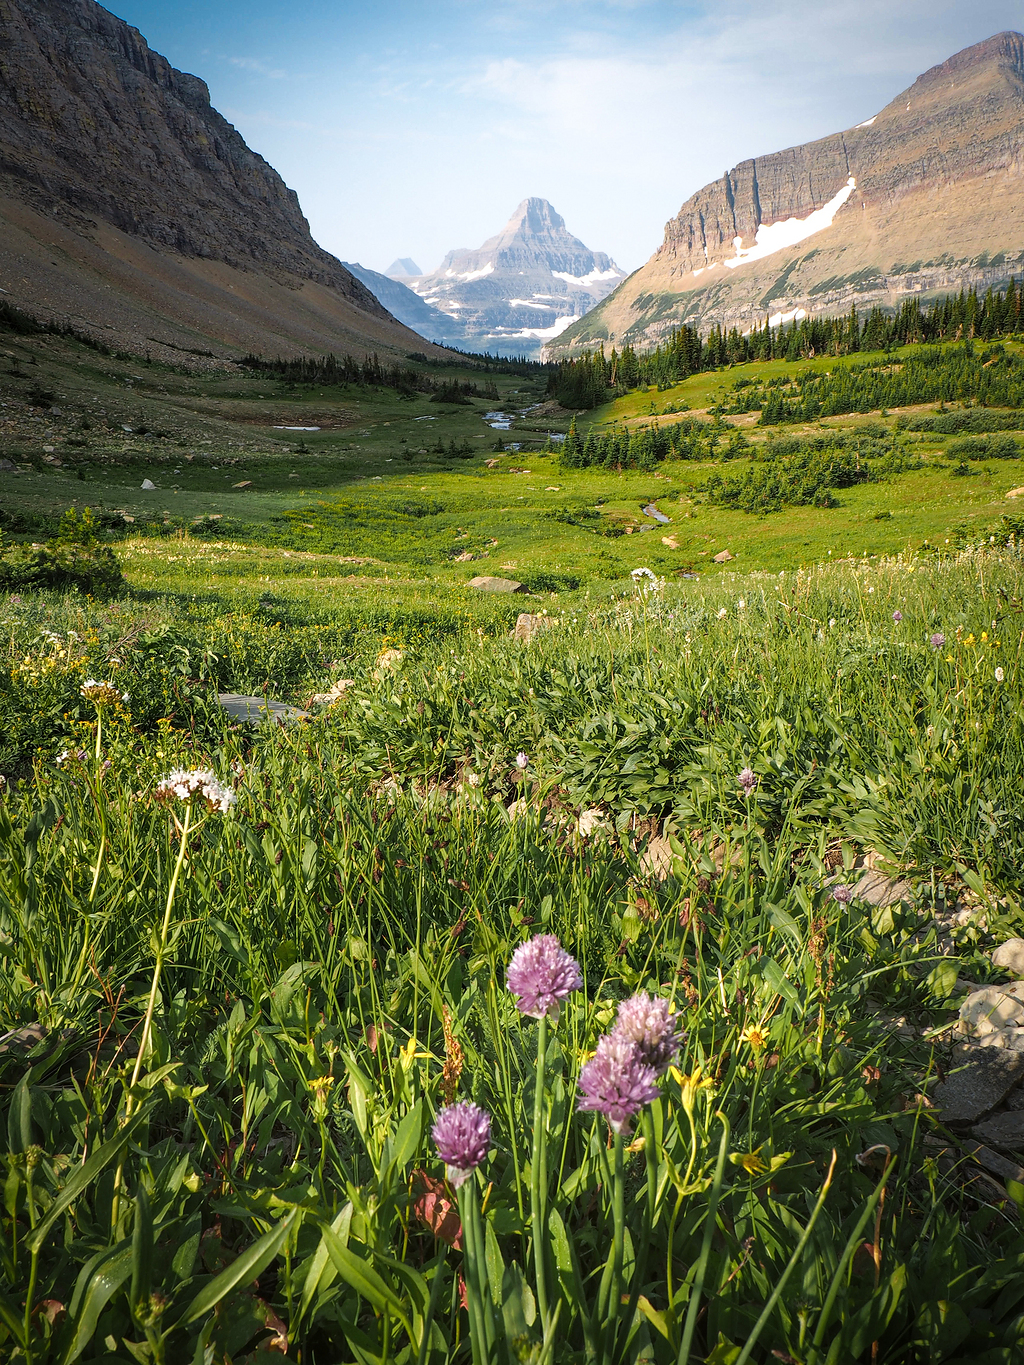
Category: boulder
[1010,956]
[593,822]
[255,710]
[529,624]
[671,542]
[722,557]
[484,583]
[149,485]
[657,858]
[990,1010]
[1004,1130]
[1016,492]
[977,1081]
[335,693]
[875,888]
[388,661]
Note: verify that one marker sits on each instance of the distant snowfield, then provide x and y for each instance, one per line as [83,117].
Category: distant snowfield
[594,277]
[538,333]
[772,237]
[468,275]
[532,303]
[867,122]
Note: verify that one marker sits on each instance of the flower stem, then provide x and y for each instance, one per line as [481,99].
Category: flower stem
[539,1178]
[473,1264]
[161,947]
[618,1239]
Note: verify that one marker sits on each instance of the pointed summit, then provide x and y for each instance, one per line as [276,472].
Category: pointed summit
[524,285]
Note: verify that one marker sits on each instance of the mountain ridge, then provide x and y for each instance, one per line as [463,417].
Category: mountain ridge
[156,210]
[925,196]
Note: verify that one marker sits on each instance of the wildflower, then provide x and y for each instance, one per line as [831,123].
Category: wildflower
[473,779]
[742,603]
[970,640]
[650,1024]
[752,1162]
[101,693]
[722,613]
[14,599]
[755,1035]
[843,894]
[831,623]
[930,731]
[200,783]
[521,760]
[938,640]
[747,780]
[617,1082]
[639,575]
[897,616]
[1000,675]
[690,1086]
[541,975]
[462,1135]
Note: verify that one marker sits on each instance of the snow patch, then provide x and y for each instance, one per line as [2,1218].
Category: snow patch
[772,237]
[531,303]
[468,275]
[594,277]
[540,333]
[867,122]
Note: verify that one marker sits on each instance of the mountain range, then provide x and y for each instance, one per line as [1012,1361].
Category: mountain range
[518,290]
[132,210]
[924,197]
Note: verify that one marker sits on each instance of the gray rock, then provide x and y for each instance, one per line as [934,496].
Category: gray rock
[877,889]
[258,709]
[484,583]
[1010,956]
[991,1009]
[977,1081]
[992,1161]
[529,624]
[1004,1130]
[722,557]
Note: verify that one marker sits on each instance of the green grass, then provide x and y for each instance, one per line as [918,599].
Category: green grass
[327,971]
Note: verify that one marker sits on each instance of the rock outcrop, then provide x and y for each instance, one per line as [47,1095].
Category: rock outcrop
[118,178]
[926,196]
[523,286]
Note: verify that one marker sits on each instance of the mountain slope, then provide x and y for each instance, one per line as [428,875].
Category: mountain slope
[926,196]
[404,304]
[523,286]
[128,205]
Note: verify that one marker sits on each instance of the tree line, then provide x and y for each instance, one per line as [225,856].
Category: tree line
[595,377]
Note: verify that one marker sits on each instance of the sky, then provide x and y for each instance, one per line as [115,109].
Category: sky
[412,127]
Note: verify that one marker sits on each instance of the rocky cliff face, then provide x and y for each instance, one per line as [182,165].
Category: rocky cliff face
[523,286]
[406,305]
[99,135]
[925,196]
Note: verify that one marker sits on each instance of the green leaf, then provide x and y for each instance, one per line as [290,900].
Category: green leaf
[99,1280]
[246,1268]
[142,1249]
[361,1277]
[85,1175]
[777,980]
[19,1116]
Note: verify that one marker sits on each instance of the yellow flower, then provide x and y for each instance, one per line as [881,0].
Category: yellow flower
[969,640]
[690,1085]
[755,1035]
[750,1161]
[984,636]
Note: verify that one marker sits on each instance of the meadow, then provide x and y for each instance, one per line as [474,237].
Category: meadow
[248,970]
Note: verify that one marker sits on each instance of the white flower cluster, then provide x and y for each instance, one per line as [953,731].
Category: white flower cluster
[202,783]
[101,693]
[646,581]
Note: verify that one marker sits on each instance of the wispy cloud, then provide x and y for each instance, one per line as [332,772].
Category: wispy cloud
[258,68]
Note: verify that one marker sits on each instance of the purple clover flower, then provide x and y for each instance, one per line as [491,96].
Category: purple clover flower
[747,780]
[843,894]
[541,975]
[617,1082]
[655,1030]
[462,1135]
[897,616]
[938,640]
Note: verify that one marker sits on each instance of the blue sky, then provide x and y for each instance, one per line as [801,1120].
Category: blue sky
[412,128]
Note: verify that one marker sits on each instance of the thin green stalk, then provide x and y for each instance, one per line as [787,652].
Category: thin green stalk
[851,1246]
[435,1295]
[693,1308]
[791,1265]
[472,1261]
[618,1240]
[161,948]
[539,1178]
